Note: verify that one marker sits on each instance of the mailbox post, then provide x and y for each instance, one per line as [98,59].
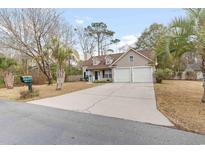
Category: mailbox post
[27,80]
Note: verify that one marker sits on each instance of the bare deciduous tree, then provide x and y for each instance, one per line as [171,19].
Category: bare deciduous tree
[29,31]
[86,42]
[66,36]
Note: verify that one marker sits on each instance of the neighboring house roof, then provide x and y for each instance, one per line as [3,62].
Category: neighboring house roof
[146,52]
[102,64]
[196,67]
[191,61]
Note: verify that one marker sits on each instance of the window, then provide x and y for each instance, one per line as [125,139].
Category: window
[108,60]
[95,61]
[131,58]
[108,74]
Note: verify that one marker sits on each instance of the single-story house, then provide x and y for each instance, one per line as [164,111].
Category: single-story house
[131,66]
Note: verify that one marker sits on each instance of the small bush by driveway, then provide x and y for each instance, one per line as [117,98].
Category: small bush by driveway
[180,101]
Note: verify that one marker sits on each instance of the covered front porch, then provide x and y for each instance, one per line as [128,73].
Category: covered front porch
[99,75]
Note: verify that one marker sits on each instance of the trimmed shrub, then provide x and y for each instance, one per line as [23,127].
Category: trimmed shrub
[28,94]
[191,75]
[168,74]
[179,74]
[103,81]
[159,75]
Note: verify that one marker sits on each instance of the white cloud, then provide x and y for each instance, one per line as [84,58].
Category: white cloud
[79,21]
[127,40]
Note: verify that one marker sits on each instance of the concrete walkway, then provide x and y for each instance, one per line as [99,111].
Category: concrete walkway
[121,100]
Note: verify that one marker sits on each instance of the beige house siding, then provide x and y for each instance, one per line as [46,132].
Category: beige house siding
[138,60]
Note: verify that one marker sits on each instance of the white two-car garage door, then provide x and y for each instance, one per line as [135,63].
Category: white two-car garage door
[133,74]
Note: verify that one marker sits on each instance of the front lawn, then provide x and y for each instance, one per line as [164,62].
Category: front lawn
[44,90]
[180,102]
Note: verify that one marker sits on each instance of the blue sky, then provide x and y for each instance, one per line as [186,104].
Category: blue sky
[127,23]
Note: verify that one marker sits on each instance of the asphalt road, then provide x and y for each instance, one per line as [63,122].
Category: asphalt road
[23,123]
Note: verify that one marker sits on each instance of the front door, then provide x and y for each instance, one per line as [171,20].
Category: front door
[96,75]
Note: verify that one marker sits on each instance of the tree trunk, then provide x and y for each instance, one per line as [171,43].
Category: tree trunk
[203,71]
[203,97]
[98,44]
[49,78]
[45,70]
[60,74]
[9,80]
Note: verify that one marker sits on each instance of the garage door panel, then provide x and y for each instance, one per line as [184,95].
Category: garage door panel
[134,74]
[143,74]
[122,75]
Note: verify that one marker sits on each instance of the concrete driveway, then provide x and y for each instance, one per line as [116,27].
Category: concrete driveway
[120,100]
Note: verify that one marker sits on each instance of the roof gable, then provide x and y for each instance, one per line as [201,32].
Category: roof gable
[143,53]
[115,57]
